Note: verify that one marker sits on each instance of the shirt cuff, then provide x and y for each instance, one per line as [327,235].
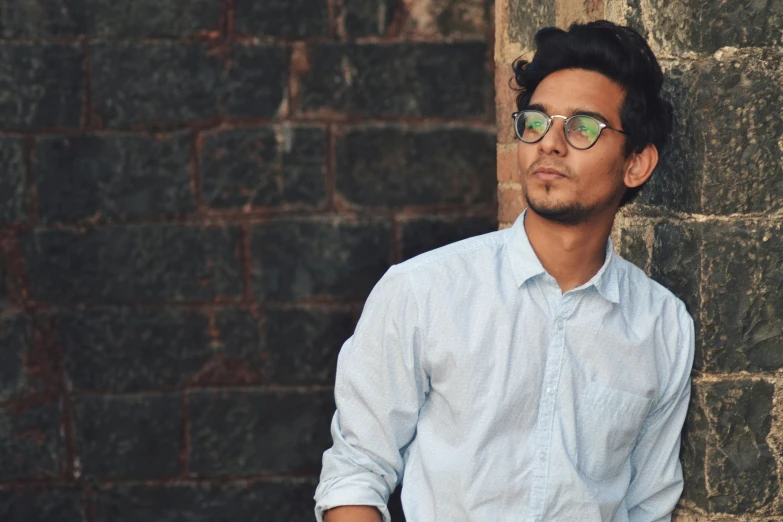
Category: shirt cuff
[350,496]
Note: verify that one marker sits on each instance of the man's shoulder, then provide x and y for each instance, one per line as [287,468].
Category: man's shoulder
[644,289]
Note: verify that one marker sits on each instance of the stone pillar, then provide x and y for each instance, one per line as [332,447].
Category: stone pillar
[708,226]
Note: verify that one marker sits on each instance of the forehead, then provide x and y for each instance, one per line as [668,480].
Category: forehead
[570,89]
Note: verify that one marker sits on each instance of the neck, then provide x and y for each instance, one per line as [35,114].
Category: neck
[572,254]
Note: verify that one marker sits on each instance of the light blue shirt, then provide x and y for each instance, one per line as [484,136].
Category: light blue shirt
[495,398]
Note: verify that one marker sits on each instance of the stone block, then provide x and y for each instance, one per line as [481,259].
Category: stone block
[48,504]
[526,17]
[121,350]
[728,432]
[129,437]
[41,86]
[694,449]
[305,259]
[302,343]
[693,25]
[268,501]
[238,356]
[742,309]
[419,235]
[254,82]
[97,18]
[446,18]
[368,17]
[736,109]
[32,447]
[446,80]
[282,18]
[280,166]
[633,246]
[256,431]
[675,184]
[174,83]
[13,189]
[114,176]
[16,339]
[149,262]
[675,260]
[395,166]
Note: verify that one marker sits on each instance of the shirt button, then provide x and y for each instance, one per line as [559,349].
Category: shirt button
[550,390]
[541,455]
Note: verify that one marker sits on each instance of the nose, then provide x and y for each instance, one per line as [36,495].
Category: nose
[554,141]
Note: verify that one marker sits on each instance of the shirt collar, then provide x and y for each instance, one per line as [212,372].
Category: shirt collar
[525,264]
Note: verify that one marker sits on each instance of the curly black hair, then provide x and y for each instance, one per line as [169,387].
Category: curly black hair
[619,53]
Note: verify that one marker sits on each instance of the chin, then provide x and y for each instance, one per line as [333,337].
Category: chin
[565,213]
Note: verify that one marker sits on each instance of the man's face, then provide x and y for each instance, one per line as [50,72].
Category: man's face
[563,183]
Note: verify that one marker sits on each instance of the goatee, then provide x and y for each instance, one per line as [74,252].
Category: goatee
[570,215]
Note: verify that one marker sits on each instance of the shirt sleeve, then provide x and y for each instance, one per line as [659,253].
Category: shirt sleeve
[656,480]
[379,388]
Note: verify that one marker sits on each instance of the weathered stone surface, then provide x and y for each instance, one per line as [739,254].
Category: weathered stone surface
[707,26]
[32,445]
[263,167]
[305,259]
[15,343]
[49,504]
[302,343]
[406,79]
[676,264]
[633,246]
[282,18]
[267,501]
[675,261]
[731,426]
[394,166]
[173,83]
[133,263]
[13,188]
[694,449]
[166,83]
[421,235]
[121,350]
[676,182]
[257,431]
[368,17]
[743,312]
[254,82]
[116,176]
[129,437]
[238,355]
[446,18]
[41,86]
[526,17]
[736,116]
[142,18]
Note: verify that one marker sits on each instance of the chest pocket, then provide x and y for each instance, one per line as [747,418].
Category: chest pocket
[608,421]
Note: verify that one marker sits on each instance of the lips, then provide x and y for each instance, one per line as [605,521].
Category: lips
[548,174]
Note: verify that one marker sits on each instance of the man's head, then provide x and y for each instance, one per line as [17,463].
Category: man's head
[600,70]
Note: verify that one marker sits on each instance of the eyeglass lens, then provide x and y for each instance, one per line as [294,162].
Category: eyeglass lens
[580,131]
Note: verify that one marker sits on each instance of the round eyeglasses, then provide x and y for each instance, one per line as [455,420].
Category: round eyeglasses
[581,131]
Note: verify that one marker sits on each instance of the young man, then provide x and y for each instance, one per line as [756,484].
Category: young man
[529,374]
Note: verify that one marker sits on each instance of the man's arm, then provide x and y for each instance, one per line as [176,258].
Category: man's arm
[353,514]
[379,388]
[656,480]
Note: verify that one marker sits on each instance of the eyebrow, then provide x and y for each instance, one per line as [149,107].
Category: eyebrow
[574,112]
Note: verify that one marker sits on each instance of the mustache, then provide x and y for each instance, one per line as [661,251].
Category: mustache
[543,164]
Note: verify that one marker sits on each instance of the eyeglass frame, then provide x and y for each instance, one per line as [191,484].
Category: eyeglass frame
[566,119]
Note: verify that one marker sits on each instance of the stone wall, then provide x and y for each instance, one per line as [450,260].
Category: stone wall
[708,226]
[196,197]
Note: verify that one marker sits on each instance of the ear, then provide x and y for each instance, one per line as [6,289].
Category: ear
[639,166]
